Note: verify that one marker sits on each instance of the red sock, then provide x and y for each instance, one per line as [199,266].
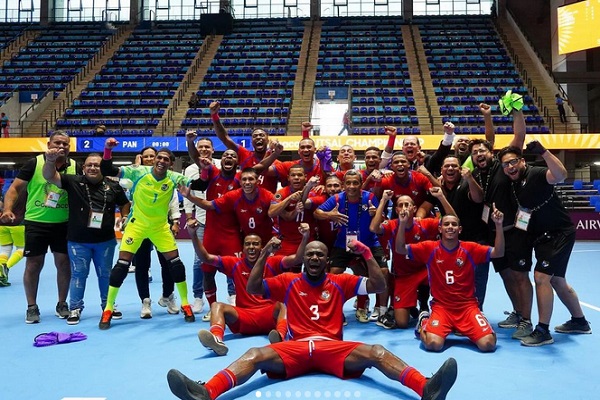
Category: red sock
[218,331]
[281,327]
[361,301]
[211,296]
[220,383]
[413,379]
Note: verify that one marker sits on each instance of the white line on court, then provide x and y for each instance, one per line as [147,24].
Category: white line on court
[590,306]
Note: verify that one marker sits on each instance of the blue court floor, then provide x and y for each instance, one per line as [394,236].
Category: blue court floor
[131,359]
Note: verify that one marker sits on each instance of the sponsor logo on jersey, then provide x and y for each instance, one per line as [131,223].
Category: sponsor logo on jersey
[302,293]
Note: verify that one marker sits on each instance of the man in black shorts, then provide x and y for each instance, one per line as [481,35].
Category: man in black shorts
[46,216]
[552,234]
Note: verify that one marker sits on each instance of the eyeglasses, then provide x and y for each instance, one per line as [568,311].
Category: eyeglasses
[511,163]
[480,151]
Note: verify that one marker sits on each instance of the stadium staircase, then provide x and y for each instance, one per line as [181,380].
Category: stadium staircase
[423,92]
[194,76]
[304,83]
[74,88]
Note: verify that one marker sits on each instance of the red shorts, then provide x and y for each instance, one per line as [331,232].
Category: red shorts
[254,321]
[405,288]
[326,356]
[468,320]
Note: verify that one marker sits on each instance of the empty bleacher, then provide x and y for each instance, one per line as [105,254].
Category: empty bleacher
[469,65]
[366,55]
[252,76]
[54,58]
[131,92]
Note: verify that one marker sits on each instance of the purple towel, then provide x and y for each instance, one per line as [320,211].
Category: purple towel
[325,158]
[51,338]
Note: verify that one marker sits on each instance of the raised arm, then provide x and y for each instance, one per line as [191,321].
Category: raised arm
[498,249]
[376,281]
[199,248]
[486,111]
[400,242]
[475,191]
[106,166]
[276,209]
[220,130]
[388,151]
[519,129]
[557,172]
[379,216]
[438,193]
[49,170]
[255,280]
[186,192]
[276,149]
[296,259]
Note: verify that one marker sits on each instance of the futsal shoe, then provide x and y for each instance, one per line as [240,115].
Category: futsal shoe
[438,386]
[185,388]
[212,342]
[105,320]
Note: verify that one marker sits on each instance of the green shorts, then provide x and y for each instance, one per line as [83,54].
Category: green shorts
[14,235]
[160,235]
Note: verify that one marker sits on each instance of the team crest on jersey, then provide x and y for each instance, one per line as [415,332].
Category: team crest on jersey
[164,187]
[325,295]
[417,237]
[415,192]
[278,196]
[230,187]
[365,207]
[435,322]
[259,210]
[460,262]
[129,240]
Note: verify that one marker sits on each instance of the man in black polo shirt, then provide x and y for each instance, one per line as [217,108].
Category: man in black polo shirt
[549,228]
[92,200]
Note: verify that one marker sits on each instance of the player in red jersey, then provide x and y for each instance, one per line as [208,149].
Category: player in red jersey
[312,165]
[250,205]
[451,267]
[327,230]
[290,208]
[407,275]
[221,232]
[315,299]
[246,158]
[248,315]
[406,182]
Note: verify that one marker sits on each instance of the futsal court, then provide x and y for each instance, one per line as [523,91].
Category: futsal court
[130,360]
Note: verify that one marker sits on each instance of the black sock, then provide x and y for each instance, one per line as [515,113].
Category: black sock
[544,327]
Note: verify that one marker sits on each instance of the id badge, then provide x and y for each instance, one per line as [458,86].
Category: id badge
[95,220]
[52,200]
[485,214]
[522,219]
[350,236]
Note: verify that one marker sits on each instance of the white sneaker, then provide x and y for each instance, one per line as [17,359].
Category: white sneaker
[170,303]
[374,315]
[206,317]
[146,309]
[131,269]
[231,299]
[198,306]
